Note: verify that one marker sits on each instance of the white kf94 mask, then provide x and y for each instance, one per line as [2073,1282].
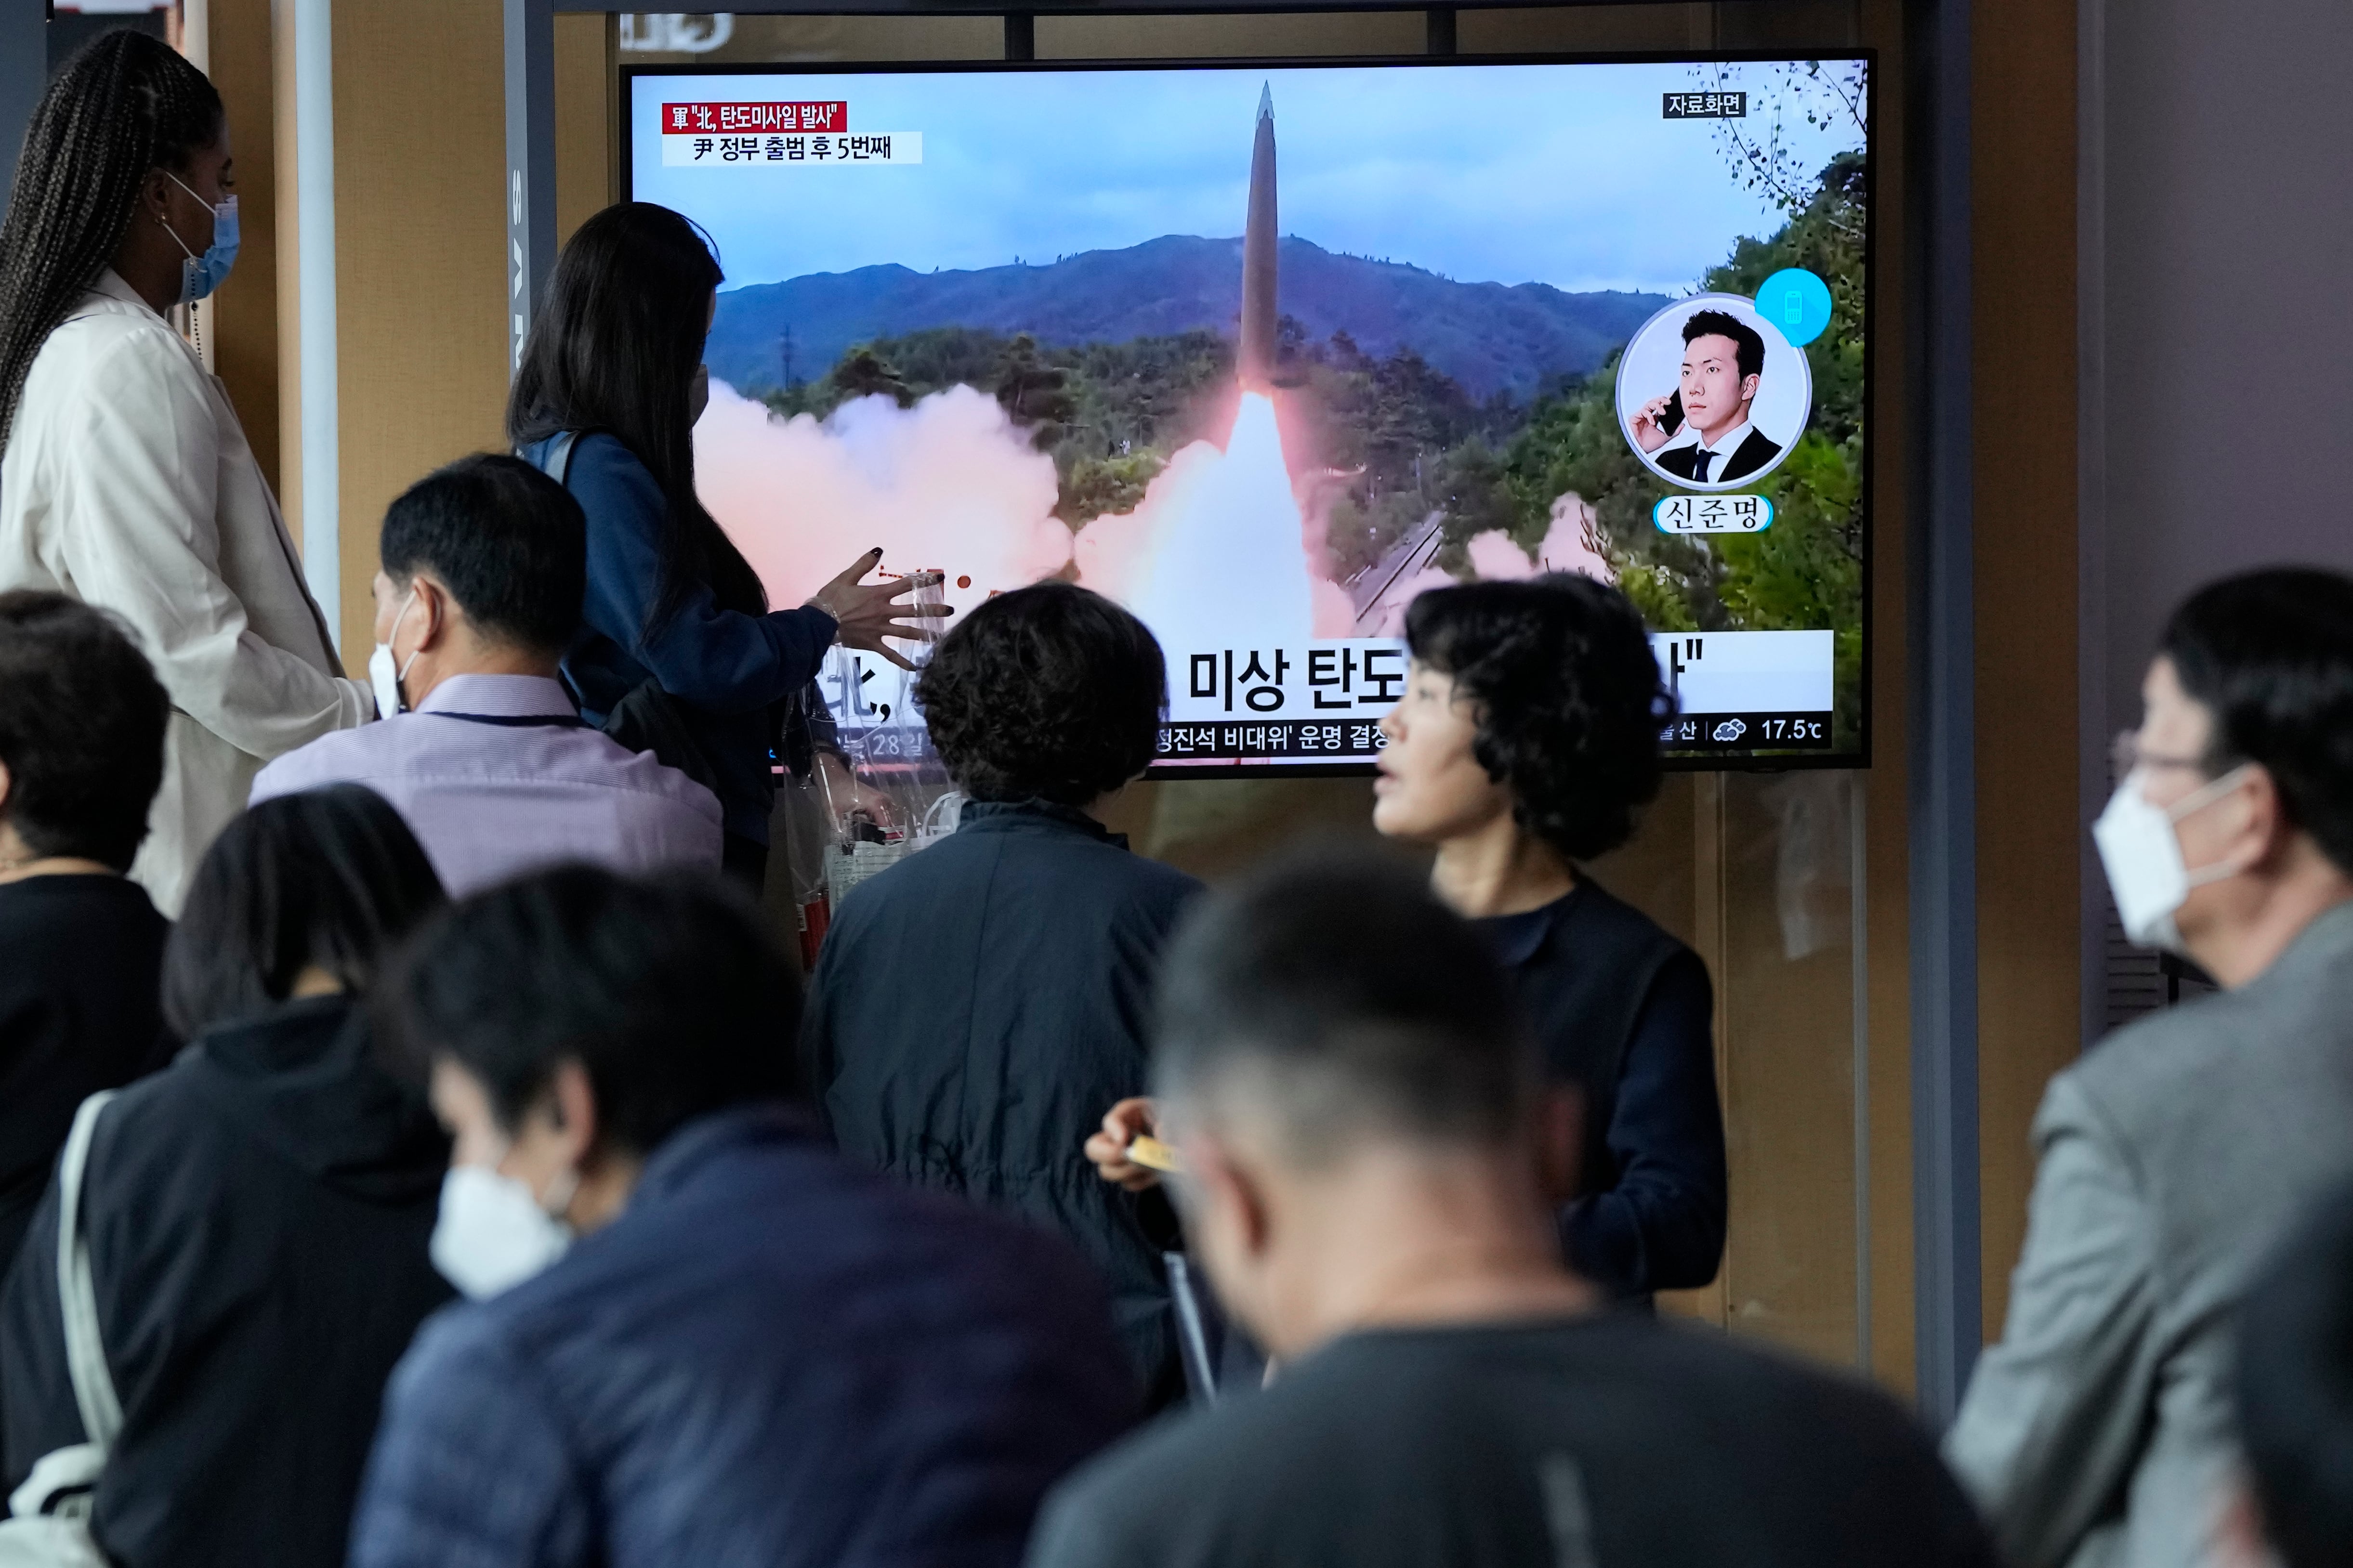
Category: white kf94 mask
[492,1235]
[2143,857]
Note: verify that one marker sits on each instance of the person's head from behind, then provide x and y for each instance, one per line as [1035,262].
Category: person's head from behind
[484,568]
[1356,1103]
[573,1021]
[617,348]
[1723,360]
[1050,692]
[2296,1394]
[125,162]
[1531,708]
[301,896]
[2233,824]
[81,737]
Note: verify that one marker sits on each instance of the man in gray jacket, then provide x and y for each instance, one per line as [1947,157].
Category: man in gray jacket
[2099,1430]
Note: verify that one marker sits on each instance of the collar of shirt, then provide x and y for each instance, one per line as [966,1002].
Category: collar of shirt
[1515,939]
[1729,443]
[109,283]
[673,1164]
[1018,816]
[501,697]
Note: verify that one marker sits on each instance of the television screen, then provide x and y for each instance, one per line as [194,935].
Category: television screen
[1263,351]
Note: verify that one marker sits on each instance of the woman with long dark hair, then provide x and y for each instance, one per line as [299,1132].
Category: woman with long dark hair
[257,1215]
[125,480]
[610,386]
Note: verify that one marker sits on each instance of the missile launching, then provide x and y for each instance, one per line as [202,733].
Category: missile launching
[1259,314]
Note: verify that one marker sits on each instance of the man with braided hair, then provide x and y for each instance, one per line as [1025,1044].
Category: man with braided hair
[125,480]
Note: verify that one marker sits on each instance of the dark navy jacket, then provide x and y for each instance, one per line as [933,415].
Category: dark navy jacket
[731,671]
[977,1009]
[770,1358]
[258,1215]
[1624,1011]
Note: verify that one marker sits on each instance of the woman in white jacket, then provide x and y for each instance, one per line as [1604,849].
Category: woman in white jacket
[125,481]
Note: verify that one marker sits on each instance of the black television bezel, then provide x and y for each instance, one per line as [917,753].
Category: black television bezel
[1766,761]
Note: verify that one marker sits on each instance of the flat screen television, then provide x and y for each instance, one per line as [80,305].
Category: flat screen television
[1262,351]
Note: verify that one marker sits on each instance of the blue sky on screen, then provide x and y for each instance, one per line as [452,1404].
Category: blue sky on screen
[1561,174]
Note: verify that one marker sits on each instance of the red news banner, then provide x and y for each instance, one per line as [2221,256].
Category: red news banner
[737,135]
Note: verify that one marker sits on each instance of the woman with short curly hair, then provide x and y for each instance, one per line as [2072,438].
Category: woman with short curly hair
[1527,743]
[974,1005]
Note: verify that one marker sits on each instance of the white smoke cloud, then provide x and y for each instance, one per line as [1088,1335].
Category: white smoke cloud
[950,483]
[1570,545]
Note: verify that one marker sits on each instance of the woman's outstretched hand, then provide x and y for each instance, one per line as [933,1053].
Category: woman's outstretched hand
[1108,1149]
[866,613]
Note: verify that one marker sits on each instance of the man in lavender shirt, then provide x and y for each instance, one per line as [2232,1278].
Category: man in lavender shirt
[484,565]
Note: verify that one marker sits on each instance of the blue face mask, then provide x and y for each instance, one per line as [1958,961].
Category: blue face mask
[200,275]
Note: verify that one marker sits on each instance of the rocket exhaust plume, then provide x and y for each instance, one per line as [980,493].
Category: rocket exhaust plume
[1258,316]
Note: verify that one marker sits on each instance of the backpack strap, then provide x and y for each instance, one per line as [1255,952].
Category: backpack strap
[93,1384]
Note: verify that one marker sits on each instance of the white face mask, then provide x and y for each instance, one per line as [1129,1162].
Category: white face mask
[386,679]
[492,1235]
[2143,857]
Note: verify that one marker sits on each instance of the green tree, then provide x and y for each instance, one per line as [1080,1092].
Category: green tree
[863,373]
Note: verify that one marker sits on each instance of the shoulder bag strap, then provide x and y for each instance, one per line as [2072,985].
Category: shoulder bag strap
[93,1385]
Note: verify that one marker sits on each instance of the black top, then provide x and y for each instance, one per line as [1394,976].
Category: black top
[80,959]
[1623,1011]
[257,1218]
[976,1010]
[1616,1441]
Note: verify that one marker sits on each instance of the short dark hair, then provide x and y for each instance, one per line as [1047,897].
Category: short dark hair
[2270,655]
[1050,692]
[330,876]
[82,728]
[1360,1006]
[1568,697]
[2296,1388]
[510,544]
[667,990]
[1748,343]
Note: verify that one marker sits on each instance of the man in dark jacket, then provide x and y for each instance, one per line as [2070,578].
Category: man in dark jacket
[753,1352]
[977,1005]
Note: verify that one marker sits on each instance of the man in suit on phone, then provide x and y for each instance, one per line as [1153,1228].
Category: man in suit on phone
[1723,359]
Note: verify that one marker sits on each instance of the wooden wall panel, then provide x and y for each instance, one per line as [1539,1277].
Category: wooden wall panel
[420,234]
[2030,974]
[588,149]
[245,311]
[1887,801]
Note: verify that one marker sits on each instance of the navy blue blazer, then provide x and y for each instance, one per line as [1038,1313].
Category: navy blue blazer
[730,671]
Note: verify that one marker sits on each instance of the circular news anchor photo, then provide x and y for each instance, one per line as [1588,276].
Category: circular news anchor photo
[1711,394]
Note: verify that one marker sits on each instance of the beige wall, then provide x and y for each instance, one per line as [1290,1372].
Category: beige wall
[420,232]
